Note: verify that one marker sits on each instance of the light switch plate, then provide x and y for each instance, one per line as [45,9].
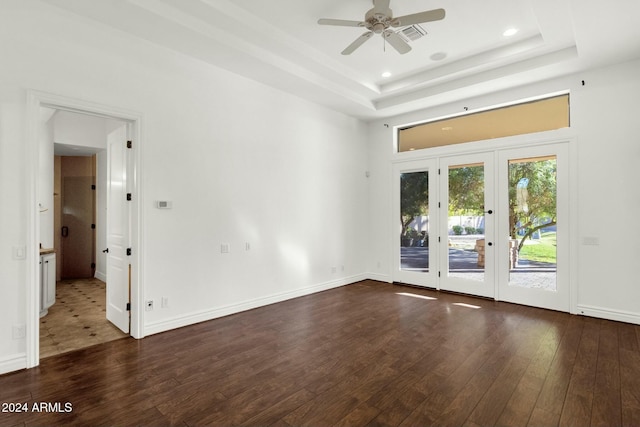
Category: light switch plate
[19,252]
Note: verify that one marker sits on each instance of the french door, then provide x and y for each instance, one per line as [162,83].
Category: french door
[416,219]
[489,224]
[533,203]
[467,224]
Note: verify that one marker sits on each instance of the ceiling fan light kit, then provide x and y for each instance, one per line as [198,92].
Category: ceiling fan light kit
[379,20]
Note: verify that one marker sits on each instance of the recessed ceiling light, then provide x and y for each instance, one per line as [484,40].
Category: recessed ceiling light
[386,74]
[438,56]
[510,32]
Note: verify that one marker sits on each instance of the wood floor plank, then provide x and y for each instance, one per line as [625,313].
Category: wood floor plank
[522,402]
[630,387]
[607,406]
[579,398]
[370,354]
[627,336]
[552,396]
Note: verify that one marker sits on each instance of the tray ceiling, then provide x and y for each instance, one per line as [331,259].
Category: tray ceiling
[279,42]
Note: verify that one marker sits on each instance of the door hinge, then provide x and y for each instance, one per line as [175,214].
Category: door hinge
[129,144]
[93,226]
[439,204]
[93,265]
[438,274]
[438,171]
[93,186]
[128,306]
[128,197]
[439,239]
[128,251]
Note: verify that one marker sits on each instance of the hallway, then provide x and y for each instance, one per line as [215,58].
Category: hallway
[77,319]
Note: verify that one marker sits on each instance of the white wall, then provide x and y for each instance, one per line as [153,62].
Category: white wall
[241,162]
[606,114]
[605,123]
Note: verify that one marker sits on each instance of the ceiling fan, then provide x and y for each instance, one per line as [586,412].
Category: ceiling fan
[379,19]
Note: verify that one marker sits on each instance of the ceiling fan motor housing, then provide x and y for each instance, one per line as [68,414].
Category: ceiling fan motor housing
[378,22]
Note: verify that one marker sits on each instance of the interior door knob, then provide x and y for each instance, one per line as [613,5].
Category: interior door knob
[106,251]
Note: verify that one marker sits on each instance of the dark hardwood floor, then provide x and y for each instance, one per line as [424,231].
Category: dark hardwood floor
[365,354]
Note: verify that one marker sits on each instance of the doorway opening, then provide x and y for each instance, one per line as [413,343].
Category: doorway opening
[491,224]
[75,151]
[76,316]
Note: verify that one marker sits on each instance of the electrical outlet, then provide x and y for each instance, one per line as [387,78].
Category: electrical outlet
[225,248]
[19,331]
[149,305]
[165,302]
[333,270]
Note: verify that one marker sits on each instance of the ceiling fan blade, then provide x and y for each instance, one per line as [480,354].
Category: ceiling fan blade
[380,6]
[341,22]
[418,18]
[357,43]
[396,41]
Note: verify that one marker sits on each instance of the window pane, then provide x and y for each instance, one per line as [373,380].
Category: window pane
[530,117]
[532,223]
[466,222]
[414,215]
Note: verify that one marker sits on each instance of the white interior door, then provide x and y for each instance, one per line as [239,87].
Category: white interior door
[416,216]
[467,213]
[533,222]
[117,230]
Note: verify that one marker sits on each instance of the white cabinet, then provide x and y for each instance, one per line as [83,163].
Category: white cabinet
[47,282]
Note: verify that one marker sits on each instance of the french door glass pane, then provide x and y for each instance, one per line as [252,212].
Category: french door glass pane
[414,216]
[532,222]
[466,222]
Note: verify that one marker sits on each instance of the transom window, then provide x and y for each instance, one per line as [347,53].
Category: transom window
[529,117]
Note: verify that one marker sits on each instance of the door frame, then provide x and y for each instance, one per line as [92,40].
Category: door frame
[35,100]
[559,136]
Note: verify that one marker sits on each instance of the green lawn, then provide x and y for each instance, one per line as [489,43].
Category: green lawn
[543,251]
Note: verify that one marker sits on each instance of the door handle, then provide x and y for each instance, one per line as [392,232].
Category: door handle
[106,251]
[490,243]
[65,231]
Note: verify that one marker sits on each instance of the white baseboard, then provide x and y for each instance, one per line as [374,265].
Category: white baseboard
[203,316]
[101,276]
[12,363]
[603,313]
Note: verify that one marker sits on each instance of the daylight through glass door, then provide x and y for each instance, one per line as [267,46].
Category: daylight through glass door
[414,218]
[466,222]
[533,222]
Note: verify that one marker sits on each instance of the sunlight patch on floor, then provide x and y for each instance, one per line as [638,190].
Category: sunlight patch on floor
[407,294]
[461,304]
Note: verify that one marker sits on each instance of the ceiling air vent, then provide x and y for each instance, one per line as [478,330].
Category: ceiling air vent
[412,33]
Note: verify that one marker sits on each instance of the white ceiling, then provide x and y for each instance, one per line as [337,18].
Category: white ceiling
[279,42]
